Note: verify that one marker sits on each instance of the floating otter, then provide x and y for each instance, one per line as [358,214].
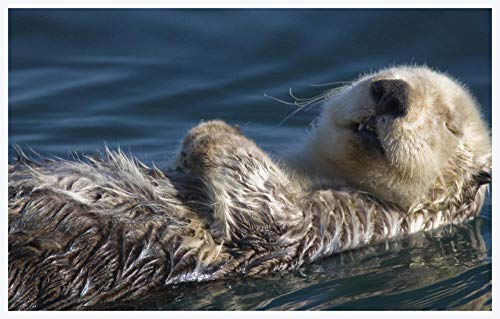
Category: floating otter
[396,152]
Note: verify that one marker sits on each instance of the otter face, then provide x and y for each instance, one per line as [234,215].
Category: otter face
[401,134]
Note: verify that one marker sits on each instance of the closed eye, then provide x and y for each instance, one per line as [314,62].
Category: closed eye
[453,128]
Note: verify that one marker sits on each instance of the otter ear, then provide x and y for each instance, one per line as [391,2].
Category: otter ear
[483,177]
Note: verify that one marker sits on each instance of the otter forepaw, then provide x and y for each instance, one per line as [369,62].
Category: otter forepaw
[206,144]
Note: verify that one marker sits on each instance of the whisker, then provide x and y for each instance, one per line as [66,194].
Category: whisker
[279,100]
[295,97]
[332,83]
[307,103]
[291,114]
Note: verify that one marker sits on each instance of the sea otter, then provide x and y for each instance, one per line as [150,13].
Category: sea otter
[394,152]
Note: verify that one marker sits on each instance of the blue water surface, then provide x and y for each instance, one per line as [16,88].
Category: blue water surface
[139,79]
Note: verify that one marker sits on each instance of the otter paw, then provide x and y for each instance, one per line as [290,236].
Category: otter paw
[205,144]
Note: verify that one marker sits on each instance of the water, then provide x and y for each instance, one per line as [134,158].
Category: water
[139,79]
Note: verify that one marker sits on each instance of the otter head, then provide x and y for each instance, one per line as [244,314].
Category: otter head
[405,134]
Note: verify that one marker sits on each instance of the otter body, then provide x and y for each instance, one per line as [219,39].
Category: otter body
[108,229]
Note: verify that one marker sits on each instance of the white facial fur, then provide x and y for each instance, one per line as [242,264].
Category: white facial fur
[439,141]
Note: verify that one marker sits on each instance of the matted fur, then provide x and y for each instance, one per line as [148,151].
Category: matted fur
[108,228]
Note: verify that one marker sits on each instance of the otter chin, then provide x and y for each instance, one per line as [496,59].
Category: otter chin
[406,134]
[395,152]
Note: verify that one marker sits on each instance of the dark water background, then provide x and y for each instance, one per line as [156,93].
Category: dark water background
[141,78]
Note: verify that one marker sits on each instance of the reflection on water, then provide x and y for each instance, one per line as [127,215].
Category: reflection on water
[443,269]
[141,78]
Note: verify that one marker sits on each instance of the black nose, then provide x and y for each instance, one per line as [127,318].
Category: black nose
[391,96]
